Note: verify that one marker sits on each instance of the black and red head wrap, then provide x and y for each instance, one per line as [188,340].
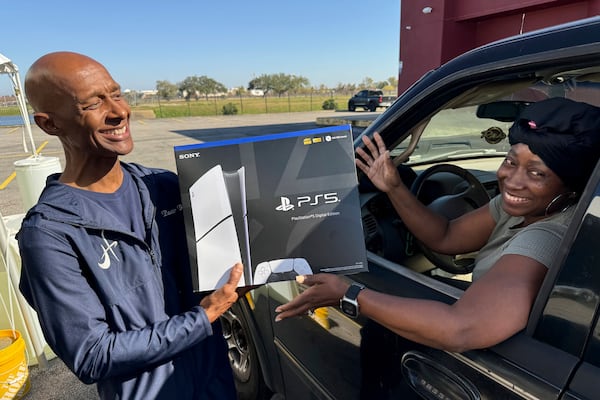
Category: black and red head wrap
[565,134]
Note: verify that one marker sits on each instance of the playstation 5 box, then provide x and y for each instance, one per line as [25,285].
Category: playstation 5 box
[283,205]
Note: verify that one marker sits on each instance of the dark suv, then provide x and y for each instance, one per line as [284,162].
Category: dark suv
[369,100]
[455,115]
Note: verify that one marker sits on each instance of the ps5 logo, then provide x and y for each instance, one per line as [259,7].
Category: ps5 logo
[301,201]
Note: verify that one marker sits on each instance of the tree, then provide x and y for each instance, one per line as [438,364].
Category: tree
[366,83]
[346,88]
[263,82]
[279,83]
[166,90]
[381,84]
[298,82]
[189,87]
[197,85]
[209,86]
[240,91]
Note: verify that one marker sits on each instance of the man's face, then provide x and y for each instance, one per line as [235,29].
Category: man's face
[92,117]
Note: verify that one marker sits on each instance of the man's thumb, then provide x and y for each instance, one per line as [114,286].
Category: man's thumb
[235,274]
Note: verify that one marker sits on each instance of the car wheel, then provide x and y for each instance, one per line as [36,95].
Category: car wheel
[351,106]
[248,377]
[372,106]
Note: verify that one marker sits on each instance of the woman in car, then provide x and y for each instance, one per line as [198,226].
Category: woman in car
[555,145]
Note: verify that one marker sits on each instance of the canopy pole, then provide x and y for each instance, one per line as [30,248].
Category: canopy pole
[8,67]
[27,133]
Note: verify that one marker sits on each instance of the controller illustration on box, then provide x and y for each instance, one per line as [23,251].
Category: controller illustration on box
[283,269]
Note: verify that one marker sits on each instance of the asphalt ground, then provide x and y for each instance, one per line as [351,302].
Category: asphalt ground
[154,140]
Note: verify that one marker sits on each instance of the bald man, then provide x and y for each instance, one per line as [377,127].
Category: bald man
[104,256]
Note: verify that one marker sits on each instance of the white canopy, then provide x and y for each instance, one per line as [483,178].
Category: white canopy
[8,67]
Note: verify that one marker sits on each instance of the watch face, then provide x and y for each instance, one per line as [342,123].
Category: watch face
[349,309]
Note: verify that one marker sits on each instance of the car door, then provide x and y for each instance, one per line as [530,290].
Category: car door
[569,320]
[319,354]
[544,361]
[330,356]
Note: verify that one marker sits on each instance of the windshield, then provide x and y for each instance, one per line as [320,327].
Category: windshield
[458,133]
[476,125]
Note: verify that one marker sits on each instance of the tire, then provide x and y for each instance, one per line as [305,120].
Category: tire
[243,358]
[372,106]
[351,106]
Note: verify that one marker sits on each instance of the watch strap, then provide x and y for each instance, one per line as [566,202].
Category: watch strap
[353,291]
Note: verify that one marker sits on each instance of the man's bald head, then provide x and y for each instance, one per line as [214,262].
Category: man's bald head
[53,75]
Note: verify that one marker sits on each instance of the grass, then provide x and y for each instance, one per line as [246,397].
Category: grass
[244,105]
[214,106]
[9,111]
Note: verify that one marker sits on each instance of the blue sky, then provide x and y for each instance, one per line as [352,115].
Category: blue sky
[140,42]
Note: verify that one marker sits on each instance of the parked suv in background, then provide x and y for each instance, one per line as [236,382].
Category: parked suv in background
[369,100]
[456,115]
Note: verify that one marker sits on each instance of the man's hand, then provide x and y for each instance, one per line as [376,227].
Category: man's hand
[221,299]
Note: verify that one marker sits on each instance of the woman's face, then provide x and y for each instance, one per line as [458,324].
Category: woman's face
[527,185]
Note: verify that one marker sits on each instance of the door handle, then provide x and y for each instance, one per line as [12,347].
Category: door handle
[433,381]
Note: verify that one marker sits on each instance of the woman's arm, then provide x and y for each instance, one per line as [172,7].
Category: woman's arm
[491,310]
[464,234]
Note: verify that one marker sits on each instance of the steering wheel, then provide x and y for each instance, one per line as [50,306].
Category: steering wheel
[451,206]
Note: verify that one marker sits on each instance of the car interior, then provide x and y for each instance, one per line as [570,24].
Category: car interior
[449,161]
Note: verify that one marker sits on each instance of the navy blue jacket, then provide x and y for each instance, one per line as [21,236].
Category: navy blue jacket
[118,310]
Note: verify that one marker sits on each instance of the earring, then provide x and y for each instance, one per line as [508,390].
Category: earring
[560,204]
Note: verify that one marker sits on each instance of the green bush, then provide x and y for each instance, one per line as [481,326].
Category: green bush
[329,104]
[230,109]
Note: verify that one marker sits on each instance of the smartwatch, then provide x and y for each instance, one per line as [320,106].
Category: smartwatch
[348,303]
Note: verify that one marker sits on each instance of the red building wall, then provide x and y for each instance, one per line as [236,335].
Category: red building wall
[435,31]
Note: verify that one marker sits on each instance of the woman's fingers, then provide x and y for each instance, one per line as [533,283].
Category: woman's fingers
[380,143]
[364,158]
[371,146]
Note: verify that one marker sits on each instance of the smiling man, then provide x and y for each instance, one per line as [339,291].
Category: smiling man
[104,256]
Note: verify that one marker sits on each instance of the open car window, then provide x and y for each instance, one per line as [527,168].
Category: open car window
[476,123]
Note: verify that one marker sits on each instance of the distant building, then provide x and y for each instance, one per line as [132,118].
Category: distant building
[8,101]
[433,32]
[148,93]
[256,92]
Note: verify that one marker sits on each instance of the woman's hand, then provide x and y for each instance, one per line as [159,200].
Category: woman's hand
[324,290]
[378,165]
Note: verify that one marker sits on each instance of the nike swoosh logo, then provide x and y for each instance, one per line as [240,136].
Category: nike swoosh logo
[105,263]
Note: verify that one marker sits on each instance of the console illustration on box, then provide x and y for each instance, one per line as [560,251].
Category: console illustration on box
[220,225]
